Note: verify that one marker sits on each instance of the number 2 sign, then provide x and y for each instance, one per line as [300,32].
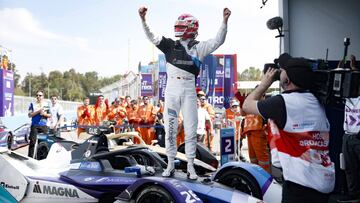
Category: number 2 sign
[227,145]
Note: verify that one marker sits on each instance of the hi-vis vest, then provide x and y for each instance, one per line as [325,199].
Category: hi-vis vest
[233,119]
[252,122]
[301,148]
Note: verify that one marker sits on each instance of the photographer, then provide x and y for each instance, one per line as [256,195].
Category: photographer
[298,131]
[39,114]
[351,143]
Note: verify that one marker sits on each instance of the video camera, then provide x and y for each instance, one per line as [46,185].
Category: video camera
[331,85]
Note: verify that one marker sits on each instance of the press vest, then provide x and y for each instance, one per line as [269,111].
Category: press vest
[301,148]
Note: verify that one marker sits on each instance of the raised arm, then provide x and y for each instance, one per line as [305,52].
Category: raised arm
[209,46]
[154,39]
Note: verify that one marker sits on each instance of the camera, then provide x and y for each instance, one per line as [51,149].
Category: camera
[275,66]
[332,85]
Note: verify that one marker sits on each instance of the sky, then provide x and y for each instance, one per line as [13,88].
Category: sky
[107,37]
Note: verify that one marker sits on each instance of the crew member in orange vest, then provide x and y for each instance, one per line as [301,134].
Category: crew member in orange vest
[232,119]
[147,116]
[117,113]
[85,115]
[254,130]
[102,110]
[133,117]
[209,128]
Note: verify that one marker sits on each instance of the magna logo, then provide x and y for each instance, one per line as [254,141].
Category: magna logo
[57,191]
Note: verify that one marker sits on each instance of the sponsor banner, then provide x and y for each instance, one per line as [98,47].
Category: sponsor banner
[146,84]
[227,145]
[217,78]
[6,93]
[229,79]
[162,63]
[217,99]
[162,85]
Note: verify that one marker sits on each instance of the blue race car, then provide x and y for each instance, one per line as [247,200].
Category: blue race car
[16,138]
[91,173]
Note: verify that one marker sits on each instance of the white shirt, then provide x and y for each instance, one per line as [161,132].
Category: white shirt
[56,112]
[203,115]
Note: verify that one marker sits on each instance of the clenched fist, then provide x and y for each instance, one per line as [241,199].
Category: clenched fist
[142,12]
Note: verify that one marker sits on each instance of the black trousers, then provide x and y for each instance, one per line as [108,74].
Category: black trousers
[34,130]
[351,151]
[295,193]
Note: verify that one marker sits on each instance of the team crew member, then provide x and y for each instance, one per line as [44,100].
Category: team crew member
[117,113]
[57,115]
[133,117]
[147,115]
[351,143]
[208,141]
[203,118]
[254,130]
[299,131]
[39,114]
[232,119]
[85,115]
[102,110]
[183,57]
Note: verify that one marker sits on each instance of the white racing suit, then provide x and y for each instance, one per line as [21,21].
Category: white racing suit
[183,61]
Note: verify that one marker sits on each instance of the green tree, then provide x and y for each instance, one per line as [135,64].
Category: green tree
[250,74]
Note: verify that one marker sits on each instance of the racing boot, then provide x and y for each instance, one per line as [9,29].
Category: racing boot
[191,173]
[170,170]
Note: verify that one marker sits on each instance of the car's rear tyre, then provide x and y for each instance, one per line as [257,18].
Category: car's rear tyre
[241,180]
[42,151]
[153,194]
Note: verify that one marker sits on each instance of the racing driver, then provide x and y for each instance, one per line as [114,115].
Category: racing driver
[183,60]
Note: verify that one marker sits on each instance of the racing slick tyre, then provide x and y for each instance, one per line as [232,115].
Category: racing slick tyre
[10,139]
[153,194]
[241,180]
[42,151]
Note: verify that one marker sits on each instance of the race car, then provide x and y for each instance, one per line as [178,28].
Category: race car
[13,139]
[205,162]
[92,173]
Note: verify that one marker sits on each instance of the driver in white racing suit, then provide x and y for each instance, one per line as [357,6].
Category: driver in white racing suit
[184,58]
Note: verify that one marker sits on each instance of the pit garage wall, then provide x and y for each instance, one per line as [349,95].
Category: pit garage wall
[312,26]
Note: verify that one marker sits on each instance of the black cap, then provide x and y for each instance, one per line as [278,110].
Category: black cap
[300,72]
[282,60]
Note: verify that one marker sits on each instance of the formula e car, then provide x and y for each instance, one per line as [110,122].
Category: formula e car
[204,162]
[92,173]
[13,139]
